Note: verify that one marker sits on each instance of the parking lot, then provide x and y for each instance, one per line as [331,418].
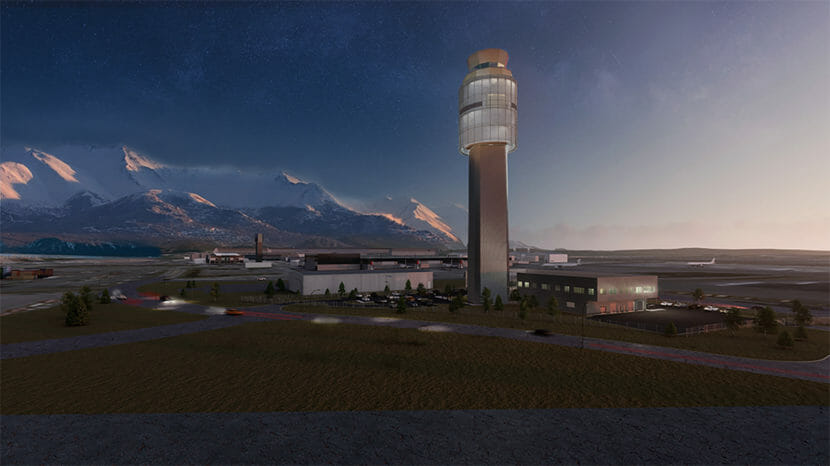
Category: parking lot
[658,320]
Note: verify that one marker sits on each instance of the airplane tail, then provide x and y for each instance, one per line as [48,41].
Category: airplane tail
[578,261]
[713,261]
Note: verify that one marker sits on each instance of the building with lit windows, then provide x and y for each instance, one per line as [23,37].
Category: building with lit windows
[589,292]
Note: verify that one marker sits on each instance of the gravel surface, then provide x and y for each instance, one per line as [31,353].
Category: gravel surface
[746,435]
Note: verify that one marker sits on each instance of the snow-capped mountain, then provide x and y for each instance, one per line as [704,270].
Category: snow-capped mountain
[118,191]
[409,211]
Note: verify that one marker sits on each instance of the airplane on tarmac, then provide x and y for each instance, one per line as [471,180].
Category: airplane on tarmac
[701,264]
[559,265]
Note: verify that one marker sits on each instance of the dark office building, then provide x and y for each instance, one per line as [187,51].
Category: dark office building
[591,292]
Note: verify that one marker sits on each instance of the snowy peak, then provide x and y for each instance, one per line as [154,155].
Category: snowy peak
[413,213]
[425,214]
[294,192]
[84,200]
[135,162]
[200,199]
[12,173]
[57,165]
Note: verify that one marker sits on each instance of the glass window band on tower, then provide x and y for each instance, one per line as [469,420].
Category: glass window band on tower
[487,112]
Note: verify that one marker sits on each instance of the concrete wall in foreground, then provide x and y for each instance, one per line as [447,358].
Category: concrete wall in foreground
[313,283]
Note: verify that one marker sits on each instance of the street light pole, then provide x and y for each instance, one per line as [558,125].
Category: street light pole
[582,340]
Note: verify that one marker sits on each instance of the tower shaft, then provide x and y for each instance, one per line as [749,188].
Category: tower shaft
[487,242]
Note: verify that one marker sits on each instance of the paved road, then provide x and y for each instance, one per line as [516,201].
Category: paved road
[715,435]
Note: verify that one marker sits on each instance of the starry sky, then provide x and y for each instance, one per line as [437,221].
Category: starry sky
[640,124]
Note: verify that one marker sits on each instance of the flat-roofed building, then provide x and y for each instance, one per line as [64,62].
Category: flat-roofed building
[592,293]
[308,282]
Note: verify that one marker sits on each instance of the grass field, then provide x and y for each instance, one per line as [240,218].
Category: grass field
[44,324]
[201,294]
[746,342]
[301,366]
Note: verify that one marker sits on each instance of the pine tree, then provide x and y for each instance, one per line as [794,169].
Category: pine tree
[280,284]
[75,308]
[485,299]
[553,306]
[269,290]
[401,305]
[499,305]
[341,290]
[105,297]
[214,291]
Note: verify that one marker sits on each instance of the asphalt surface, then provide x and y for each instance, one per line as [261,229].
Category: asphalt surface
[715,435]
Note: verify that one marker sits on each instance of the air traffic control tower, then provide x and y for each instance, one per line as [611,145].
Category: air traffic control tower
[487,115]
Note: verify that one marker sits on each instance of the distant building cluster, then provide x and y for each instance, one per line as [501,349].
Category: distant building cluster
[22,274]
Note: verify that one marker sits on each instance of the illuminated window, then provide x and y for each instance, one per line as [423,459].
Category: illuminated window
[567,288]
[591,291]
[545,286]
[579,290]
[557,288]
[639,290]
[602,291]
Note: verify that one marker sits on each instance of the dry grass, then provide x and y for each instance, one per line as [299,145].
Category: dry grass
[300,366]
[746,342]
[44,324]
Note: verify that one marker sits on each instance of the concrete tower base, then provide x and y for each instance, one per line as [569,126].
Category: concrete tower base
[487,233]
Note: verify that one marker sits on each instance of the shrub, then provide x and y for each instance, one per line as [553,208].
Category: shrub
[105,297]
[280,284]
[269,290]
[457,303]
[515,296]
[408,286]
[422,290]
[353,294]
[670,330]
[784,339]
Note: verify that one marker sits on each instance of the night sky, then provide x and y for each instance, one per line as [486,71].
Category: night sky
[640,124]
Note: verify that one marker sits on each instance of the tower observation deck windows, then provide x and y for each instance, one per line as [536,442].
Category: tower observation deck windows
[488,64]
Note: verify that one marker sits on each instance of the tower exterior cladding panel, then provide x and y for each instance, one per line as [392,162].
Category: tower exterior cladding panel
[487,133]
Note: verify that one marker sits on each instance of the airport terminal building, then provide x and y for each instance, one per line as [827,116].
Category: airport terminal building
[589,292]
